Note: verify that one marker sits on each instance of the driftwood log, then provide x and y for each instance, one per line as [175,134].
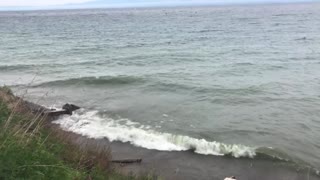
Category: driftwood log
[66,109]
[127,161]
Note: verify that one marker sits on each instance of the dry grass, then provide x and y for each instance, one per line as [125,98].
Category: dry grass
[25,131]
[82,152]
[37,149]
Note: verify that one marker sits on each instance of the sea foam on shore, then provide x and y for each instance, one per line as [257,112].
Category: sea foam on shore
[90,124]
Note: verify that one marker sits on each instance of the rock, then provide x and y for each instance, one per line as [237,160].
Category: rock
[69,108]
[66,109]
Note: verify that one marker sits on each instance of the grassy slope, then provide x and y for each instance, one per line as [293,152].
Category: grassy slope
[29,151]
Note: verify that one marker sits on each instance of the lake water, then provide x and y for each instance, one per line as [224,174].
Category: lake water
[230,80]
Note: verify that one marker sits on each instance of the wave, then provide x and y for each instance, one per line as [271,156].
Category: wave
[206,89]
[92,125]
[102,80]
[207,31]
[152,84]
[244,64]
[280,15]
[16,67]
[48,65]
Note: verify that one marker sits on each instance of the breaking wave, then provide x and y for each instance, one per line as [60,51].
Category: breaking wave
[92,125]
[151,83]
[102,80]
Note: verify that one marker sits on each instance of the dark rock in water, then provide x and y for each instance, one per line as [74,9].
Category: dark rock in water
[66,109]
[69,108]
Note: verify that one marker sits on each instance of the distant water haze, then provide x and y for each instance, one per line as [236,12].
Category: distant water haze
[239,81]
[81,4]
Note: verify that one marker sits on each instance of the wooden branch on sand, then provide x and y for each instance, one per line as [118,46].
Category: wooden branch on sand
[55,112]
[127,161]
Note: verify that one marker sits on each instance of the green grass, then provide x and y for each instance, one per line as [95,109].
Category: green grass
[25,157]
[28,151]
[6,89]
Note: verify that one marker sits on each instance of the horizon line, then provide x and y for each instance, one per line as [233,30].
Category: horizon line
[79,7]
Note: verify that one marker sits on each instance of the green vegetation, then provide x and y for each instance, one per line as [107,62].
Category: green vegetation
[30,151]
[6,89]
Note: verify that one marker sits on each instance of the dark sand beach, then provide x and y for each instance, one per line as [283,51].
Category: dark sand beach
[189,165]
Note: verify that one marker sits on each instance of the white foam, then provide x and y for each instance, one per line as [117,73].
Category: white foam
[92,125]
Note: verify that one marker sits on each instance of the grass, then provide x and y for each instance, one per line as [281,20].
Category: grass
[6,89]
[30,151]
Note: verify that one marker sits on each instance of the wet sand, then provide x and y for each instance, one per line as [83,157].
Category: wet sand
[188,165]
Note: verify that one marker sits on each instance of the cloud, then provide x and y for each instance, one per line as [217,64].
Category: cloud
[34,3]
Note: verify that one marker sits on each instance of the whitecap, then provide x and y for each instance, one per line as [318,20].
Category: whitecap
[91,125]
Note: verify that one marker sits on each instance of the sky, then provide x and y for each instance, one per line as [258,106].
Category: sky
[62,4]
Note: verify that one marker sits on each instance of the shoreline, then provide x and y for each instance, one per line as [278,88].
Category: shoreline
[178,165]
[182,165]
